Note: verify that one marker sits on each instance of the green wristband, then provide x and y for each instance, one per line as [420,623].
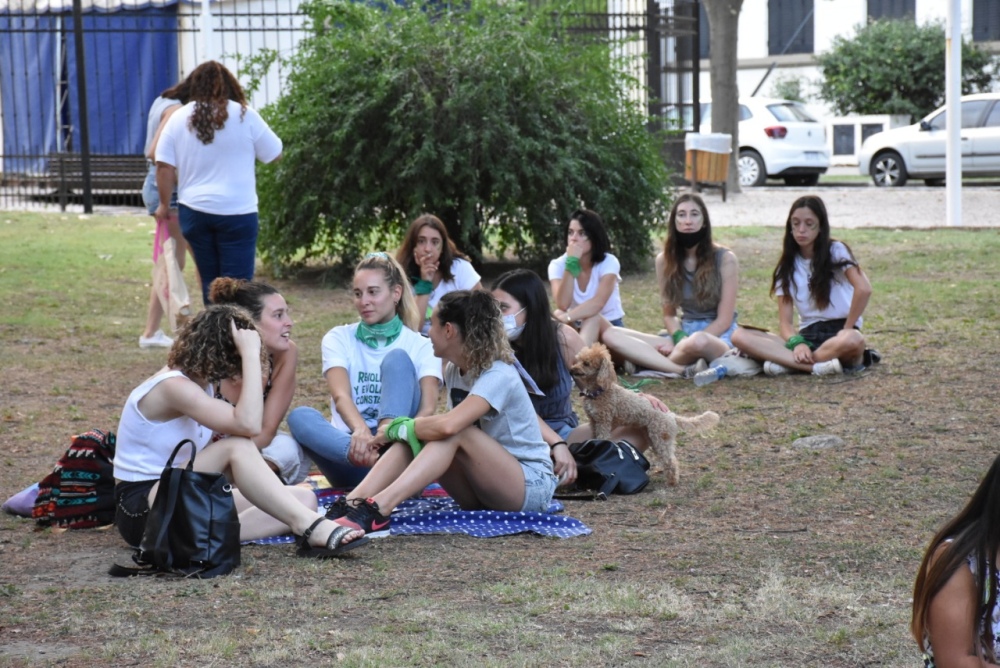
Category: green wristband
[573,265]
[795,340]
[402,430]
[423,287]
[678,335]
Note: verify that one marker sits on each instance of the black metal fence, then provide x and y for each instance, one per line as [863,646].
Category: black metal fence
[76,77]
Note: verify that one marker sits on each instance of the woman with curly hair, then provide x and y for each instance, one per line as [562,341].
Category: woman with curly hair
[178,403]
[818,277]
[212,142]
[487,451]
[271,315]
[376,369]
[434,265]
[956,597]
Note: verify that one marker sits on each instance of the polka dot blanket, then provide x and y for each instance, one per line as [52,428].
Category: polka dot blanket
[436,514]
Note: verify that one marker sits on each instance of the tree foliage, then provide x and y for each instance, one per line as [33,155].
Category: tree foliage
[487,116]
[896,67]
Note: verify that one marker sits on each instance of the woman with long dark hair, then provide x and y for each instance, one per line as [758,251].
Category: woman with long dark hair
[818,277]
[434,265]
[956,612]
[208,149]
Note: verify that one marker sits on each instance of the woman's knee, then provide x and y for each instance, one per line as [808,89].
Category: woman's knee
[299,418]
[397,359]
[740,337]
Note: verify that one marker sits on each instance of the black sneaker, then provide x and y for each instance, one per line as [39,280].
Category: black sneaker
[339,508]
[365,515]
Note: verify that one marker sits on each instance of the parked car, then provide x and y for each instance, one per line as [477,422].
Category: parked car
[917,151]
[779,139]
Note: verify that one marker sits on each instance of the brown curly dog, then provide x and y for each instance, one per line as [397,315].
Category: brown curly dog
[609,405]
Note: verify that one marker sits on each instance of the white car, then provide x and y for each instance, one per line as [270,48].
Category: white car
[918,151]
[779,139]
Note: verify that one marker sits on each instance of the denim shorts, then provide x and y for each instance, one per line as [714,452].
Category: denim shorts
[539,486]
[132,508]
[151,195]
[692,326]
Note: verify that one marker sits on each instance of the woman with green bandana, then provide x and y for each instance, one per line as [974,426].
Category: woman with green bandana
[487,451]
[377,369]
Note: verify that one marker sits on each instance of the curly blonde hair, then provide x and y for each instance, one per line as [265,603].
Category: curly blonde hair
[204,348]
[406,309]
[478,317]
[212,87]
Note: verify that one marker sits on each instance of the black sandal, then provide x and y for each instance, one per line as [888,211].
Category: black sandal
[335,545]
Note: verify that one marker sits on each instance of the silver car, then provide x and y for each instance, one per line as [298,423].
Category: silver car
[918,151]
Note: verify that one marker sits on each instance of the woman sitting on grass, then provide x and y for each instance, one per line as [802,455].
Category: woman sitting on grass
[376,369]
[956,609]
[270,313]
[585,278]
[434,265]
[487,451]
[819,277]
[178,403]
[698,281]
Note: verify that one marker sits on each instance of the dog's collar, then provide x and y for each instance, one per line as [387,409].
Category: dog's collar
[592,394]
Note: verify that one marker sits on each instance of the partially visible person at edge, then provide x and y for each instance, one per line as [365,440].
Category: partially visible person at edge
[376,369]
[699,279]
[956,610]
[178,403]
[161,110]
[546,349]
[211,145]
[434,265]
[819,277]
[274,322]
[589,294]
[486,451]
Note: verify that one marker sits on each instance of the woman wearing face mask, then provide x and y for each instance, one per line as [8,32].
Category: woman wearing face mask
[434,265]
[698,282]
[377,369]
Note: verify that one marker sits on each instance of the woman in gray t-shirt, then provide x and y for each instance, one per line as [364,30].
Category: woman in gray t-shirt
[487,451]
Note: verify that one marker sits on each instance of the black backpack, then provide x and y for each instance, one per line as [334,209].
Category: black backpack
[80,491]
[607,467]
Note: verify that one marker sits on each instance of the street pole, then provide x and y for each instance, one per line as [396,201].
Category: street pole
[953,100]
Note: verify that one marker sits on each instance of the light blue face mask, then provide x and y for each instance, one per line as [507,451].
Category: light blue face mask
[511,327]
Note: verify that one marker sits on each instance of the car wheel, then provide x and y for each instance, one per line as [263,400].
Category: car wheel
[888,170]
[751,168]
[802,180]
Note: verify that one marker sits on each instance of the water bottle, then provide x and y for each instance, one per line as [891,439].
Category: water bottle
[709,375]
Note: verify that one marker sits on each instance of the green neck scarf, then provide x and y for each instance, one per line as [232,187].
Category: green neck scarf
[385,331]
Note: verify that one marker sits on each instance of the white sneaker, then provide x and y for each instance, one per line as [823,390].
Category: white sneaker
[158,340]
[828,368]
[692,370]
[736,364]
[775,369]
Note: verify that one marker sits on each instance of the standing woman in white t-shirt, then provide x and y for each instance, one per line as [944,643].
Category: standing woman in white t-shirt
[590,292]
[213,142]
[377,369]
[819,277]
[434,265]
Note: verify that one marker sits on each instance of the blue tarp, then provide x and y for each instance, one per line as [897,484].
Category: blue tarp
[130,56]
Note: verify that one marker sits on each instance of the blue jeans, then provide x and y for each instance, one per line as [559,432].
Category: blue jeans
[327,446]
[221,245]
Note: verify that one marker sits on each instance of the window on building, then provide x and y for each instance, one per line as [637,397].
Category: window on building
[891,9]
[789,26]
[985,20]
[684,43]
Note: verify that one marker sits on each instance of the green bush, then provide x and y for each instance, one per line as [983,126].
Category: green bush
[896,67]
[488,117]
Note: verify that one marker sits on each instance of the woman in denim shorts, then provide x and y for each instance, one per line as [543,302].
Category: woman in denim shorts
[818,277]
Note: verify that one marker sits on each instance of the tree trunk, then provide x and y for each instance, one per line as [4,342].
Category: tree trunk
[723,22]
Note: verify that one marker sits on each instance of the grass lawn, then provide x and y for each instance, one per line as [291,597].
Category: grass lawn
[765,554]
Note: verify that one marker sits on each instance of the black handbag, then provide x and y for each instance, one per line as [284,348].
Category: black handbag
[607,467]
[192,528]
